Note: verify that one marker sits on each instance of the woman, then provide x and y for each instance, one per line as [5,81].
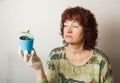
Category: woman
[78,61]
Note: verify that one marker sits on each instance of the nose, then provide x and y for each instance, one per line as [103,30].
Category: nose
[69,30]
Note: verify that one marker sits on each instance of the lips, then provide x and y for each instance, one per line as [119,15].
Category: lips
[68,36]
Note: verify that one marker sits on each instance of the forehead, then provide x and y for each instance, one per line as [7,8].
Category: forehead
[71,21]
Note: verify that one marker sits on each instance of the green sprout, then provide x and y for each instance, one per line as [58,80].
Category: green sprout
[25,37]
[27,32]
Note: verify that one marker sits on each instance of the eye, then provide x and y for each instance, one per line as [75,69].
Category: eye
[65,24]
[75,26]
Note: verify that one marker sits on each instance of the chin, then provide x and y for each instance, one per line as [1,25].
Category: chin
[69,42]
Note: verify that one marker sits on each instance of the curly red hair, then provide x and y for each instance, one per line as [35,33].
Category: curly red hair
[85,18]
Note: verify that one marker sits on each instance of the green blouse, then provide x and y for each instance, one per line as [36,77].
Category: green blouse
[60,70]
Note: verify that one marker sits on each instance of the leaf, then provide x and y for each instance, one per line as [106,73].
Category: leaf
[28,31]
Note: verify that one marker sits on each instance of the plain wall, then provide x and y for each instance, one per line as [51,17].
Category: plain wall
[42,17]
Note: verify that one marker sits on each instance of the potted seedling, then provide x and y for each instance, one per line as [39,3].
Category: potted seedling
[26,41]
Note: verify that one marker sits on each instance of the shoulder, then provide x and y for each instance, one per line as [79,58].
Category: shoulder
[100,54]
[56,53]
[58,49]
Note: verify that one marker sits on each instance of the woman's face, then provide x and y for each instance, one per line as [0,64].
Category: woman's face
[73,32]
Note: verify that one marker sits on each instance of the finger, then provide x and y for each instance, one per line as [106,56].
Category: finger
[26,58]
[32,55]
[34,51]
[20,53]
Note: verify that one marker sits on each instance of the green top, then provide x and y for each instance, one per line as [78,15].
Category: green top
[60,70]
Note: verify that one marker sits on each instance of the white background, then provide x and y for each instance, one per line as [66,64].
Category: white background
[42,17]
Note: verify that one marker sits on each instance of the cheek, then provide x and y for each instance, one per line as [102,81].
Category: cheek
[78,34]
[64,31]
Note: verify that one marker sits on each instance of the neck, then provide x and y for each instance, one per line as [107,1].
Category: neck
[76,49]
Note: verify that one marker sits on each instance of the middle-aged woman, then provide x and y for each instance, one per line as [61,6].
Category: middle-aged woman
[78,61]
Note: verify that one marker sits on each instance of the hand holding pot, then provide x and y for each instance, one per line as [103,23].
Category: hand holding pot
[31,59]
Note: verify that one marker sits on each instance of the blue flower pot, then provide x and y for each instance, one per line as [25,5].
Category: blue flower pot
[26,44]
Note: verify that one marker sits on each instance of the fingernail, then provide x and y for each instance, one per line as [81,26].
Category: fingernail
[32,52]
[25,52]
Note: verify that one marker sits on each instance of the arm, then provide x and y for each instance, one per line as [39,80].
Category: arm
[52,70]
[40,75]
[51,76]
[106,72]
[34,61]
